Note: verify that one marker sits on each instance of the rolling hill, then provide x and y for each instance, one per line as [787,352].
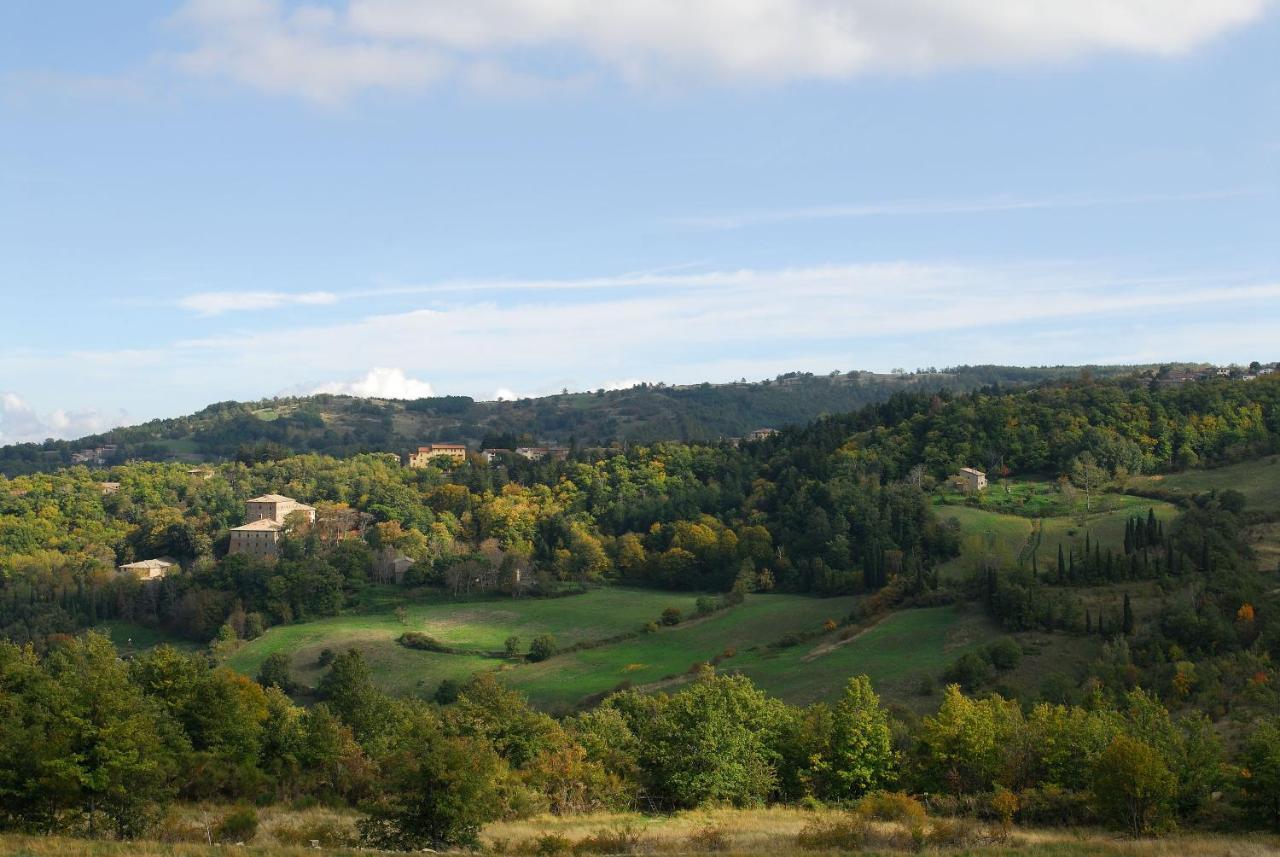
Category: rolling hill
[345,425]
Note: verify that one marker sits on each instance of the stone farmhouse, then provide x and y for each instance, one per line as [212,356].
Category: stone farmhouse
[265,518]
[970,480]
[149,569]
[424,455]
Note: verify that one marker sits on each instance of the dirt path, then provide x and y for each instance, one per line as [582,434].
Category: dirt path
[823,649]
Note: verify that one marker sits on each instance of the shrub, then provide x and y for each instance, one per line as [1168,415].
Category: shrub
[969,671]
[709,838]
[275,671]
[423,642]
[1004,654]
[623,839]
[329,832]
[326,658]
[672,616]
[1054,806]
[705,605]
[829,625]
[511,646]
[891,806]
[1004,804]
[547,845]
[239,825]
[542,648]
[448,691]
[651,627]
[953,833]
[846,833]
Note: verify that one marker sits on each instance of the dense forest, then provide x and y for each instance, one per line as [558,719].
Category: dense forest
[1174,723]
[344,426]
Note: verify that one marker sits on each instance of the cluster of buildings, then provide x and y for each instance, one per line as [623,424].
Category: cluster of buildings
[1177,377]
[424,455]
[98,455]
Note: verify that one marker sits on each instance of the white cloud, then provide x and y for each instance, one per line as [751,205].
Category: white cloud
[216,303]
[380,383]
[20,423]
[328,53]
[943,207]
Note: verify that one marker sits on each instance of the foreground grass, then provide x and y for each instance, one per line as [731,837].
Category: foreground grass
[770,831]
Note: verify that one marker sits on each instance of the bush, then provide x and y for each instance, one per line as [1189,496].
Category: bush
[969,671]
[672,616]
[623,839]
[511,646]
[891,806]
[326,658]
[1004,654]
[275,671]
[423,642]
[846,833]
[448,691]
[1050,805]
[953,833]
[542,648]
[651,627]
[709,838]
[239,825]
[705,605]
[329,832]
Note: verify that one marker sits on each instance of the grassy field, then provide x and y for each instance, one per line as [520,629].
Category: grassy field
[895,653]
[773,831]
[1015,537]
[759,621]
[130,637]
[1258,480]
[478,628]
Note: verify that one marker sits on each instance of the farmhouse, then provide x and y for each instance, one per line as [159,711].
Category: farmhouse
[148,569]
[276,507]
[537,453]
[970,480]
[266,518]
[761,433]
[424,455]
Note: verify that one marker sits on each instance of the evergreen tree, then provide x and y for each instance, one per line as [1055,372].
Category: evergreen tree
[1127,620]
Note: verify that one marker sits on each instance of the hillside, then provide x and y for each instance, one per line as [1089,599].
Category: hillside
[344,425]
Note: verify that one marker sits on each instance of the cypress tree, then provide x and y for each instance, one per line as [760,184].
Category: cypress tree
[1127,621]
[1062,566]
[1088,621]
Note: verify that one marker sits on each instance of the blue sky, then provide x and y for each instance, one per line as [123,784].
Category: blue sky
[210,200]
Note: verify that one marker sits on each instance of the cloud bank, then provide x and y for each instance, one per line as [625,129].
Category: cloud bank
[328,53]
[20,423]
[380,383]
[216,303]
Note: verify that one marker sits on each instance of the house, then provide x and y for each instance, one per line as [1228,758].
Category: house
[391,565]
[761,433]
[109,487]
[148,569]
[537,453]
[424,455]
[970,480]
[265,523]
[96,455]
[276,507]
[492,455]
[256,538]
[200,473]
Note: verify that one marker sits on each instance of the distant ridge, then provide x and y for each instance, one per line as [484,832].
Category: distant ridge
[345,425]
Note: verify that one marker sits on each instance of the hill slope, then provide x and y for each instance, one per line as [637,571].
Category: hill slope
[344,425]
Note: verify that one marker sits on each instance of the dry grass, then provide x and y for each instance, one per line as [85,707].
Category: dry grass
[771,831]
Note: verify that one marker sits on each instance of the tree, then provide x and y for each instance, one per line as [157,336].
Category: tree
[542,647]
[862,758]
[1132,785]
[1126,622]
[511,646]
[1260,772]
[1088,477]
[437,791]
[275,670]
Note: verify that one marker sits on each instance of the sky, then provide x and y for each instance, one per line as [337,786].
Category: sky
[235,199]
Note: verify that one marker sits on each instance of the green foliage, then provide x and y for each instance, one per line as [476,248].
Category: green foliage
[1133,785]
[542,647]
[1260,772]
[861,757]
[436,791]
[276,671]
